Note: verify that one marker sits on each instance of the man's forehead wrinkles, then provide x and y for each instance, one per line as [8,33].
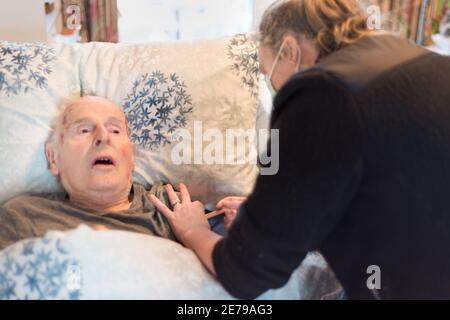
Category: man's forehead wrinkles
[91,110]
[106,115]
[78,121]
[94,119]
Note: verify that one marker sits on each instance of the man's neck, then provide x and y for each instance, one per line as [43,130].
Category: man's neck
[103,202]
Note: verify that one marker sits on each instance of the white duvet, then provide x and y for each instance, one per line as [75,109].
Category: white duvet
[88,264]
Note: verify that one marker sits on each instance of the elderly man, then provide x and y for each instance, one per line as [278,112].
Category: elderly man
[90,152]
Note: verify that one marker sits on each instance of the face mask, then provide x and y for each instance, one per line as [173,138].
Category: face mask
[268,77]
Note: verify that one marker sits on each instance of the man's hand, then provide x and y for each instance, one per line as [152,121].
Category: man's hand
[187,217]
[231,206]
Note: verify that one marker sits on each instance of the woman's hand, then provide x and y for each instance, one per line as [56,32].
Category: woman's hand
[230,205]
[186,217]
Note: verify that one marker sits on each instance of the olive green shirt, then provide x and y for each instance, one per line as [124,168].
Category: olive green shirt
[31,216]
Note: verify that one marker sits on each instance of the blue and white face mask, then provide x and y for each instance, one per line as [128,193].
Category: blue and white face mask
[268,77]
[272,90]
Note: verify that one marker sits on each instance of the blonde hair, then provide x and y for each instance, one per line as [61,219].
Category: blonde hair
[330,24]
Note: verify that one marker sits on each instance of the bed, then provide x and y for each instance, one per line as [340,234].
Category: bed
[211,86]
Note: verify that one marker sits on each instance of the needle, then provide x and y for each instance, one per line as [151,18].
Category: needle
[215,214]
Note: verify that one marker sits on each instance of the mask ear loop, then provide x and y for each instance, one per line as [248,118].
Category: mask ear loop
[276,60]
[299,60]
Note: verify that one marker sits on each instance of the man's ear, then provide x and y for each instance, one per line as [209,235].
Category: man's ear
[52,159]
[291,51]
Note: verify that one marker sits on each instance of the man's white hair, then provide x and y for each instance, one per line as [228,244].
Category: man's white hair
[57,125]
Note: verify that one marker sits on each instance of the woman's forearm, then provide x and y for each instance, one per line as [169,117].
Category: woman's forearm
[189,224]
[202,242]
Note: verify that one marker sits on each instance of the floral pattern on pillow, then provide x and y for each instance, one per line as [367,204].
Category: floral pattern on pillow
[38,269]
[24,67]
[157,106]
[243,52]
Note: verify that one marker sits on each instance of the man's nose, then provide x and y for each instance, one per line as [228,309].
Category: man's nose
[101,135]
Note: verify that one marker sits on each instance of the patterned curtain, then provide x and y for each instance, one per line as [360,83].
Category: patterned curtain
[98,19]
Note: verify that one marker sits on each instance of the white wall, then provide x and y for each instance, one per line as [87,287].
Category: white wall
[161,20]
[22,20]
[259,7]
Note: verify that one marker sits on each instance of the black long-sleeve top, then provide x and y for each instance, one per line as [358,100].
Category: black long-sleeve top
[364,177]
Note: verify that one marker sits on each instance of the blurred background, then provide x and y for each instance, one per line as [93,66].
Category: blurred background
[423,21]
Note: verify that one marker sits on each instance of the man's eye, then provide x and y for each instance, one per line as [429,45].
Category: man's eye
[84,130]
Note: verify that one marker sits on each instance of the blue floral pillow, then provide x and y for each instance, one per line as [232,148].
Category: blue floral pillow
[39,269]
[33,79]
[188,105]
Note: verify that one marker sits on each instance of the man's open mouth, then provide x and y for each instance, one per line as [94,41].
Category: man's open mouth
[103,161]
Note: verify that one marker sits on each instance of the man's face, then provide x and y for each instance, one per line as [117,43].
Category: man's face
[95,152]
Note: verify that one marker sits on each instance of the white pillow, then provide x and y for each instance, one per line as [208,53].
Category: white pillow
[33,79]
[164,87]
